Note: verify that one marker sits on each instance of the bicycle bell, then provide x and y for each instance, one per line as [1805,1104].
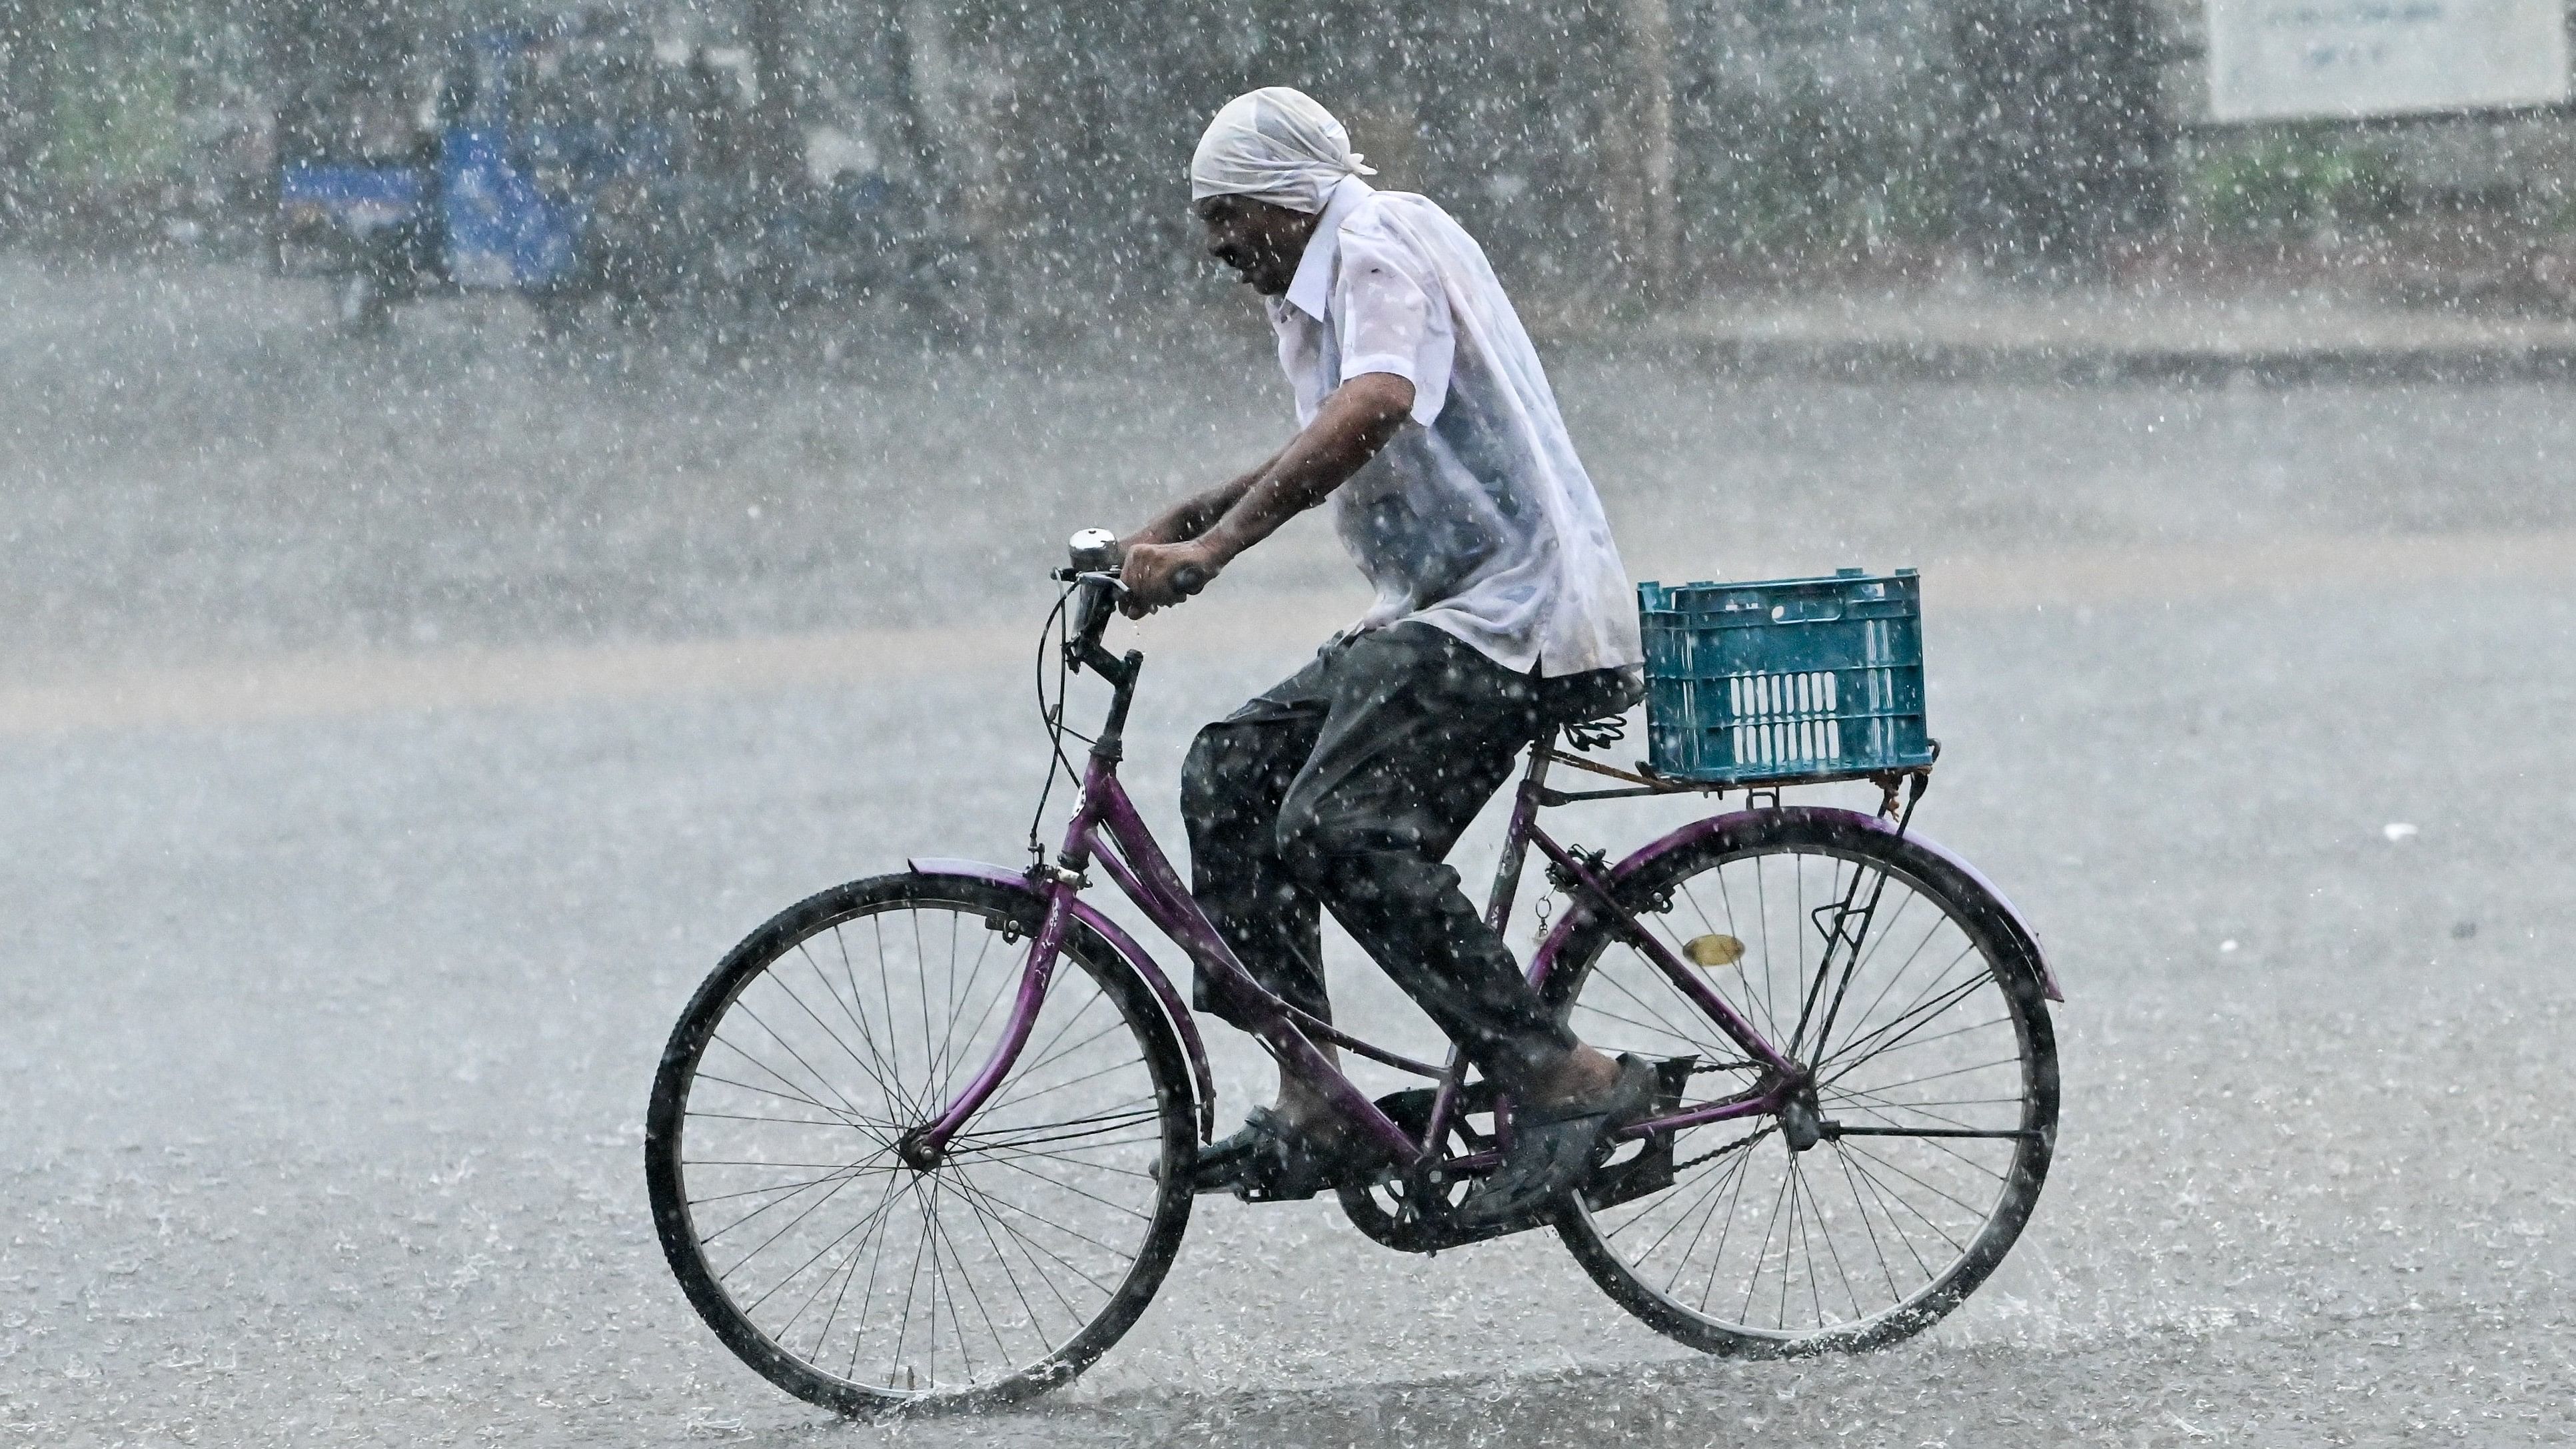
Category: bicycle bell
[1095,550]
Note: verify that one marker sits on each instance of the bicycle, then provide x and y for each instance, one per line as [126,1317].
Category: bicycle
[876,1217]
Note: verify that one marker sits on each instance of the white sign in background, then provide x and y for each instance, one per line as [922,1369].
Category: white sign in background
[2340,59]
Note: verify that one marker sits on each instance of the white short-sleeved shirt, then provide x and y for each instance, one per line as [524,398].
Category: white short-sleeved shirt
[1477,518]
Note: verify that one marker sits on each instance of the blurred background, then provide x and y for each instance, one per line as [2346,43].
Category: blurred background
[1613,155]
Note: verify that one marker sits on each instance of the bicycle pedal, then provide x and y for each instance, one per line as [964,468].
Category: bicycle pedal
[1672,1079]
[1257,1192]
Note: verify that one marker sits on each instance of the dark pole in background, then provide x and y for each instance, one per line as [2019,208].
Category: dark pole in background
[1656,230]
[776,146]
[909,103]
[2062,140]
[25,109]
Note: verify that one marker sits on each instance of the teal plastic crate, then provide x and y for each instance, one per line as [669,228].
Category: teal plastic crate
[1796,679]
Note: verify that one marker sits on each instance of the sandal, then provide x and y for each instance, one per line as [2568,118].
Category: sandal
[1269,1161]
[1554,1150]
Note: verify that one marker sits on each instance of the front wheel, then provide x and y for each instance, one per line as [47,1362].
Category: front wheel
[1902,1176]
[854,1279]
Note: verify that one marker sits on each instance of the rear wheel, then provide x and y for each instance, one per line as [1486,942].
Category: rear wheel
[1901,984]
[855,1280]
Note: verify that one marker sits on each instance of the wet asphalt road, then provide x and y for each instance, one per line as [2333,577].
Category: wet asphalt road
[331,1009]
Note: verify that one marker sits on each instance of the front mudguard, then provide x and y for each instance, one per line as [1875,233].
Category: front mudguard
[1175,1009]
[1699,831]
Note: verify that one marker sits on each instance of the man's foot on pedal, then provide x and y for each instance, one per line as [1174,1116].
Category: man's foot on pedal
[1554,1150]
[1272,1159]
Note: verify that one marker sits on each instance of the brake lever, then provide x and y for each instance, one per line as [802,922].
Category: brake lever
[1089,576]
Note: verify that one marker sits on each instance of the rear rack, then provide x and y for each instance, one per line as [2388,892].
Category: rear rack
[1643,780]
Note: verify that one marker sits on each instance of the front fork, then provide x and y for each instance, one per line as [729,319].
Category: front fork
[926,1146]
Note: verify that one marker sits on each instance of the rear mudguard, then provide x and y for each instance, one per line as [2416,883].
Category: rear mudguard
[1699,831]
[1175,1009]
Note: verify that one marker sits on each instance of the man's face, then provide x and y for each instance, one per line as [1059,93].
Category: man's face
[1260,241]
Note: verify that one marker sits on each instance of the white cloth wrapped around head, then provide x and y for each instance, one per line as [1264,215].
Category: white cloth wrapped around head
[1275,145]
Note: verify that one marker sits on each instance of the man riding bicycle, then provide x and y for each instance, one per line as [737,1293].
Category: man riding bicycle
[1502,610]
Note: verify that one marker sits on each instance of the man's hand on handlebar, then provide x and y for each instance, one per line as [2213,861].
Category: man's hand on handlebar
[1159,575]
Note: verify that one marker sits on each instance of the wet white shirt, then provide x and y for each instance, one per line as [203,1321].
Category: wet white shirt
[1477,518]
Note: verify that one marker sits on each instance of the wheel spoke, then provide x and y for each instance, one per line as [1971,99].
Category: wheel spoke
[1030,1072]
[1850,1294]
[1871,1229]
[959,1000]
[1903,969]
[1001,1259]
[1025,1098]
[1966,1207]
[1887,1108]
[1864,1161]
[1798,933]
[754,1117]
[1717,1184]
[968,1179]
[852,1174]
[858,1002]
[1067,1130]
[1734,1200]
[1878,1194]
[973,1294]
[1601,1011]
[1921,1013]
[851,1107]
[1762,1254]
[792,1092]
[1004,1154]
[873,1216]
[1726,902]
[1937,1076]
[1762,915]
[788,1187]
[873,1064]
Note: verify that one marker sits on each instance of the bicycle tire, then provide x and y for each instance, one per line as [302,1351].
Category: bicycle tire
[1172,1143]
[2011,966]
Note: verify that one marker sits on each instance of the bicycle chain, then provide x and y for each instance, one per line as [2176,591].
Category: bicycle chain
[1737,1145]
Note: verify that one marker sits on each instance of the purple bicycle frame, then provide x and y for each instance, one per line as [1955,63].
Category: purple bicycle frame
[1106,830]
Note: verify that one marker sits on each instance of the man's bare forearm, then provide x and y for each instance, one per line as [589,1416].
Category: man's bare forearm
[1203,534]
[1354,423]
[1194,515]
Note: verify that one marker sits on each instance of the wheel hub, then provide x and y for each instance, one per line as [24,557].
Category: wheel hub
[1802,1124]
[918,1151]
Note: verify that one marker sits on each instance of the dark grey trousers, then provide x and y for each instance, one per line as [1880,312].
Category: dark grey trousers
[1345,786]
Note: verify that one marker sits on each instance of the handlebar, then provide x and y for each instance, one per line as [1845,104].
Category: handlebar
[1094,574]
